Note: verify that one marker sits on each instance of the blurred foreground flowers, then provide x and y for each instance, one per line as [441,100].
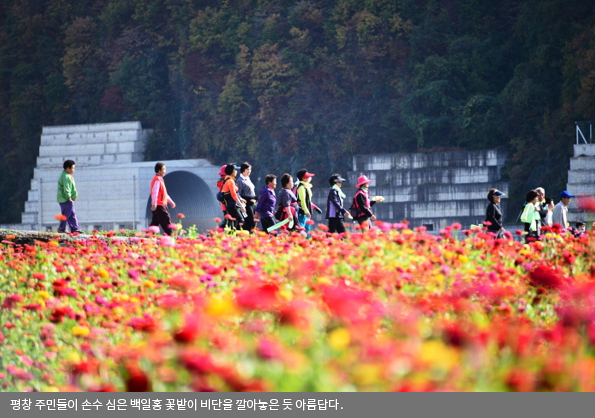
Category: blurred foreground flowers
[390,309]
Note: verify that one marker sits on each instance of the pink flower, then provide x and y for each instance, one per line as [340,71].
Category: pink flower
[180,216]
[154,229]
[133,274]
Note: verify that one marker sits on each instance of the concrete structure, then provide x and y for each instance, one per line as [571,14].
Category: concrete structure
[113,181]
[581,180]
[430,189]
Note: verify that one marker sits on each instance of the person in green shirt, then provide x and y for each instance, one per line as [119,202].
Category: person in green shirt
[531,216]
[67,194]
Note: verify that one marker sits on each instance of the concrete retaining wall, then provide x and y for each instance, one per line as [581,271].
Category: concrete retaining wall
[431,189]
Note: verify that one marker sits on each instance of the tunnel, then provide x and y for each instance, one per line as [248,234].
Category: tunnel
[193,198]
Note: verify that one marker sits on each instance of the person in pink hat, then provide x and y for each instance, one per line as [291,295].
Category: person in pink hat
[361,203]
[219,186]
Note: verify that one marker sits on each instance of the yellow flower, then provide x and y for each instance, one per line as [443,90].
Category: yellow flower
[339,339]
[149,284]
[220,306]
[50,389]
[43,294]
[323,280]
[74,357]
[366,374]
[80,331]
[438,354]
[286,294]
[102,273]
[118,311]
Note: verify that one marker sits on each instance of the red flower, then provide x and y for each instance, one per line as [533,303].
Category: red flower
[145,324]
[11,301]
[262,297]
[104,388]
[310,222]
[545,276]
[189,331]
[197,362]
[218,220]
[137,380]
[586,203]
[180,216]
[59,313]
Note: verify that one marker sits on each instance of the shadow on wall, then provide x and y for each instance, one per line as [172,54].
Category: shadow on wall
[193,198]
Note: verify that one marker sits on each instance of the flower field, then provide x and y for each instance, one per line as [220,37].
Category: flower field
[392,309]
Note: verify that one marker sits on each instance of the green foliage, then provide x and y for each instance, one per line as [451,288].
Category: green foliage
[290,84]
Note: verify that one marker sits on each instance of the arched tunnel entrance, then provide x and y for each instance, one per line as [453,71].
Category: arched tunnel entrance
[193,198]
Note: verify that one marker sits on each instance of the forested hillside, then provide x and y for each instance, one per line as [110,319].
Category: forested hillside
[289,84]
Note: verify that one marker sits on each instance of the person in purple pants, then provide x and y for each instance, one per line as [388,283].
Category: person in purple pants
[67,194]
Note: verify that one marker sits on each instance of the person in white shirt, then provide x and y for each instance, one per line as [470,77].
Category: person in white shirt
[560,215]
[247,192]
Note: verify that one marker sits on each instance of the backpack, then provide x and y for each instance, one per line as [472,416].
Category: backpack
[220,194]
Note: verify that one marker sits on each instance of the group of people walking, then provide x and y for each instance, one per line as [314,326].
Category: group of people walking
[293,207]
[539,211]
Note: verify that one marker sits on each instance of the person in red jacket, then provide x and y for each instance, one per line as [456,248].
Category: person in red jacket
[361,201]
[219,186]
[160,199]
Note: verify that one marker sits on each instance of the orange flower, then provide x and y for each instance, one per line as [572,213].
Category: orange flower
[60,217]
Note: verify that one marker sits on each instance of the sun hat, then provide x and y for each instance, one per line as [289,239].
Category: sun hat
[361,180]
[305,176]
[222,171]
[339,180]
[498,193]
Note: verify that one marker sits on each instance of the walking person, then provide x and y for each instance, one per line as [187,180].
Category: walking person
[266,202]
[362,204]
[246,191]
[560,214]
[531,217]
[494,214]
[160,199]
[335,212]
[287,201]
[234,204]
[304,196]
[219,186]
[67,194]
[549,217]
[545,210]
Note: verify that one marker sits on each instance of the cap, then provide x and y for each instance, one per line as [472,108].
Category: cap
[498,193]
[222,171]
[339,180]
[565,194]
[305,176]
